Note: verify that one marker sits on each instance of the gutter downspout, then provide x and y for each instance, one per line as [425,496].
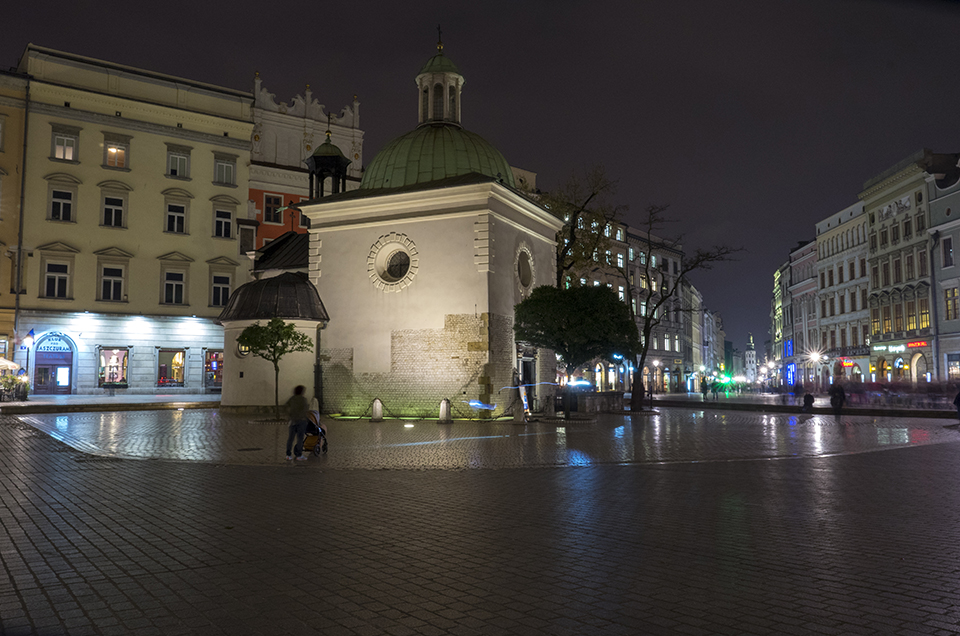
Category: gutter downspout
[23,189]
[933,306]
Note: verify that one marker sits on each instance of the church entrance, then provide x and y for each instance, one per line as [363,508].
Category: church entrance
[53,369]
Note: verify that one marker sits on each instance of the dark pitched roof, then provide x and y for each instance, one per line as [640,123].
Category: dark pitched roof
[288,251]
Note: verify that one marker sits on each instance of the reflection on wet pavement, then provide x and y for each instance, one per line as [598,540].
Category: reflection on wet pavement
[670,435]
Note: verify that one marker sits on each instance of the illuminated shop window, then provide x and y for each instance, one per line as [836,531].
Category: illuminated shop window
[213,369]
[170,367]
[113,367]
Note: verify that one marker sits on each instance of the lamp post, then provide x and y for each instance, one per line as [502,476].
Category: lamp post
[28,343]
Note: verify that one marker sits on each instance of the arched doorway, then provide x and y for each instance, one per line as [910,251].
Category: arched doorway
[53,368]
[856,375]
[918,368]
[883,369]
[898,370]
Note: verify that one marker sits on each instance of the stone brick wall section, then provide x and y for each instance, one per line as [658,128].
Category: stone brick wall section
[472,357]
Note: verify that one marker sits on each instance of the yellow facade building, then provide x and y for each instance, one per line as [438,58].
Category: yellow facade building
[134,185]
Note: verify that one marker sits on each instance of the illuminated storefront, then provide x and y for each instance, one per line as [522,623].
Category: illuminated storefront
[904,361]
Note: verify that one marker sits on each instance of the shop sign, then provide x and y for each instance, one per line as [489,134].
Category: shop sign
[918,343]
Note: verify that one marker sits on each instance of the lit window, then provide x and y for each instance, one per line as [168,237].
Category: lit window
[951,303]
[64,147]
[113,367]
[620,260]
[947,245]
[170,367]
[116,156]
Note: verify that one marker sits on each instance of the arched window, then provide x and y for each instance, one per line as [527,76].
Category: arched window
[453,104]
[438,102]
[425,105]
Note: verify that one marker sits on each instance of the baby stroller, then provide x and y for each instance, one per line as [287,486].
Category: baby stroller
[316,438]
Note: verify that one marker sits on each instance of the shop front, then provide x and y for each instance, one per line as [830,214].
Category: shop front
[908,361]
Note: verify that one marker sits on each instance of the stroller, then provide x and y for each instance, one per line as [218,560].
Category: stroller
[316,438]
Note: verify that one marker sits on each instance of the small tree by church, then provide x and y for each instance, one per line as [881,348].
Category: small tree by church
[272,342]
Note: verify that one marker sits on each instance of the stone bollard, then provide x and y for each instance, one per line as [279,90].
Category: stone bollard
[445,417]
[377,409]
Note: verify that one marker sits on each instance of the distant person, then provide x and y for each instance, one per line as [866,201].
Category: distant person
[298,410]
[808,403]
[705,387]
[837,397]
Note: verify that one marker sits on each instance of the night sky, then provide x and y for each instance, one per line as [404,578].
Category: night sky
[752,119]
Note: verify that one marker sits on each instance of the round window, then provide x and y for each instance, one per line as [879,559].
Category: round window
[392,262]
[243,350]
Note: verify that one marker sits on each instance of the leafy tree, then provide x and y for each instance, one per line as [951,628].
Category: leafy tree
[578,323]
[273,341]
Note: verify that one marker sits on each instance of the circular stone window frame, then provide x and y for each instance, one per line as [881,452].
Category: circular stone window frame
[524,289]
[379,258]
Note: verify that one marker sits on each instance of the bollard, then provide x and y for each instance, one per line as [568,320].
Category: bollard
[377,410]
[445,417]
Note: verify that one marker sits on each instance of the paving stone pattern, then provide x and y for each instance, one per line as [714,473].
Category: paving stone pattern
[677,523]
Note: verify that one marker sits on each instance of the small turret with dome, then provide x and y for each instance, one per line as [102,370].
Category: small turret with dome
[439,147]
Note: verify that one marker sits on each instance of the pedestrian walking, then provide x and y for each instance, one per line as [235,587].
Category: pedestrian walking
[837,397]
[704,387]
[298,410]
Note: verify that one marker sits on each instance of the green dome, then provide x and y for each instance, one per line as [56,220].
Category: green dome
[432,152]
[327,149]
[439,63]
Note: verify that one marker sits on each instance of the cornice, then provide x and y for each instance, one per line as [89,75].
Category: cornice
[894,180]
[234,143]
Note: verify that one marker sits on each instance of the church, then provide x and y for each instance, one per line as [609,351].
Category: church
[418,270]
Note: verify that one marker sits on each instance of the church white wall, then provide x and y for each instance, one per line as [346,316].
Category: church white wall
[251,379]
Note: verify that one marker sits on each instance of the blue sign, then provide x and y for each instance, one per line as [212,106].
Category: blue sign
[791,374]
[789,353]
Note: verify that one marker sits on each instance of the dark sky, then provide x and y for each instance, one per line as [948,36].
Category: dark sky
[753,119]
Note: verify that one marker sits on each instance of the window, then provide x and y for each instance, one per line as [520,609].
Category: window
[911,314]
[111,283]
[895,234]
[830,278]
[630,254]
[57,280]
[866,334]
[875,319]
[853,270]
[178,161]
[920,222]
[885,274]
[113,367]
[271,208]
[653,261]
[170,367]
[173,285]
[61,205]
[619,233]
[922,262]
[225,170]
[863,267]
[883,237]
[898,317]
[116,156]
[833,339]
[843,337]
[907,228]
[924,321]
[620,259]
[116,151]
[220,291]
[304,220]
[622,294]
[843,302]
[908,265]
[863,298]
[608,260]
[947,247]
[953,366]
[223,224]
[213,366]
[896,271]
[643,258]
[176,218]
[113,215]
[887,323]
[823,308]
[65,143]
[833,306]
[840,274]
[606,230]
[247,238]
[873,240]
[951,302]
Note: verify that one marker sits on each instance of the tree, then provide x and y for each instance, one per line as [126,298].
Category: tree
[660,289]
[582,203]
[578,323]
[273,341]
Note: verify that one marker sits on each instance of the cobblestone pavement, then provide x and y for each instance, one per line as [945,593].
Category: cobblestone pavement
[682,522]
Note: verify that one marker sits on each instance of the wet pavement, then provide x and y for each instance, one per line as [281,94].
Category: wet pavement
[683,521]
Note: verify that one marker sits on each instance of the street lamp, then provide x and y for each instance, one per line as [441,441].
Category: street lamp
[28,343]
